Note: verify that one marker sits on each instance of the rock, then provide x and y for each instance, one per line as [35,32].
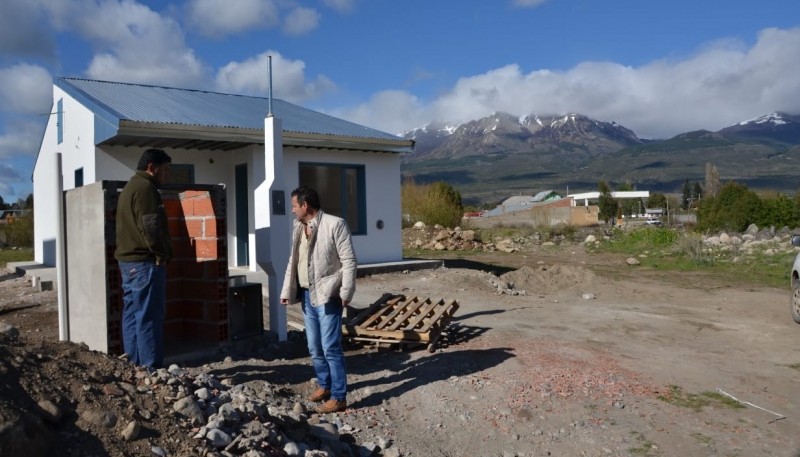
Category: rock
[632,261]
[419,225]
[203,393]
[588,296]
[112,390]
[100,418]
[50,411]
[189,408]
[218,438]
[590,239]
[752,229]
[159,451]
[8,331]
[291,449]
[468,235]
[131,431]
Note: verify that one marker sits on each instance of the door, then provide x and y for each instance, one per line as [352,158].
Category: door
[242,218]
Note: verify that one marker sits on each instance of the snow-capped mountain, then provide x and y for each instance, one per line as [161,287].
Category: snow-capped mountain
[778,126]
[574,135]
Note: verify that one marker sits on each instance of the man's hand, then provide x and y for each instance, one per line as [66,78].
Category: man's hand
[284,301]
[345,302]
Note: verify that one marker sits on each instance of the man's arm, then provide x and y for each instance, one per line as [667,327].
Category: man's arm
[347,257]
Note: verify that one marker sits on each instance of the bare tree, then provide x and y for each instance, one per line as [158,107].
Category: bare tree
[712,186]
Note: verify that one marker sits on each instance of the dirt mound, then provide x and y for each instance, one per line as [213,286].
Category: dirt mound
[546,279]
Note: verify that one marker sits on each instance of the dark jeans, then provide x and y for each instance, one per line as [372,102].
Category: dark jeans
[144,295]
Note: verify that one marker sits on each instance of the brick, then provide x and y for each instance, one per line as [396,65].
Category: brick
[173,330]
[188,194]
[210,227]
[203,207]
[176,228]
[174,309]
[194,227]
[173,208]
[205,249]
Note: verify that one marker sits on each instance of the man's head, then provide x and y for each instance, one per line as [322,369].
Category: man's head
[156,163]
[305,203]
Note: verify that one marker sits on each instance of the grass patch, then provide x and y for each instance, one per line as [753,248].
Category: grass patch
[645,447]
[696,402]
[666,249]
[14,255]
[795,366]
[702,438]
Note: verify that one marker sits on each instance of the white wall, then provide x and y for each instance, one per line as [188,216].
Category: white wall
[77,149]
[382,176]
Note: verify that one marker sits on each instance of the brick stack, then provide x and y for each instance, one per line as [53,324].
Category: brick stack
[197,276]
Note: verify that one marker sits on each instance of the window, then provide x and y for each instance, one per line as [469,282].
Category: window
[181,173]
[79,177]
[341,191]
[60,120]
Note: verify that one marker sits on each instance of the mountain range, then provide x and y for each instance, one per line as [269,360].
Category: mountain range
[500,155]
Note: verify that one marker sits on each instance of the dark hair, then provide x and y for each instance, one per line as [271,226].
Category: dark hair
[308,195]
[154,156]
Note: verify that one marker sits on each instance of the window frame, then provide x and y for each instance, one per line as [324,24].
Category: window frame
[360,198]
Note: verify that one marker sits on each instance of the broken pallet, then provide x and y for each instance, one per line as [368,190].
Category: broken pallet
[398,319]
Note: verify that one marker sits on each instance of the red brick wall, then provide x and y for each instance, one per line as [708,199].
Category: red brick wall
[197,276]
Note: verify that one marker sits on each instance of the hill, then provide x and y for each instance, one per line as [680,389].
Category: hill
[500,155]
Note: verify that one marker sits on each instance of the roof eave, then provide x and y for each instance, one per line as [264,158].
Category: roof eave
[256,136]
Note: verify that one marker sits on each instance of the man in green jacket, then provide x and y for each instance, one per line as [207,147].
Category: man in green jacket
[143,249]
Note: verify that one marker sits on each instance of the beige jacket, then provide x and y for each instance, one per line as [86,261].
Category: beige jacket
[331,261]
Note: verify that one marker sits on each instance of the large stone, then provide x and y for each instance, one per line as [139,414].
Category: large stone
[189,408]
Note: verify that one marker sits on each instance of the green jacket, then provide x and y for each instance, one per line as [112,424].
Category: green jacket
[142,222]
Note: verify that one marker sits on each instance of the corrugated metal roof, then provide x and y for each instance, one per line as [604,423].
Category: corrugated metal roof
[168,105]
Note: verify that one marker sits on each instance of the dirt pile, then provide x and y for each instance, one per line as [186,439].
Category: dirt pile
[546,279]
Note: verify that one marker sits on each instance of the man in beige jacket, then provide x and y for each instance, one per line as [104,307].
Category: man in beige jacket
[321,275]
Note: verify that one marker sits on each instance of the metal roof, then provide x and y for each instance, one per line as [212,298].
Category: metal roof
[130,111]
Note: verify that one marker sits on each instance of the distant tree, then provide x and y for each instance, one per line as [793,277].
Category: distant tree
[628,206]
[712,187]
[606,204]
[29,202]
[697,193]
[657,200]
[733,209]
[2,203]
[686,200]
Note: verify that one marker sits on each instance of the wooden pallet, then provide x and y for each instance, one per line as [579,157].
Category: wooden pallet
[396,319]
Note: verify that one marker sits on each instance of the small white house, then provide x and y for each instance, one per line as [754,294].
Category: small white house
[101,128]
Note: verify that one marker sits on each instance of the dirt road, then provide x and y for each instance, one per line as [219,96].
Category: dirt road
[581,354]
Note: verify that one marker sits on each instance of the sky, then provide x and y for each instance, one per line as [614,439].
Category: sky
[657,67]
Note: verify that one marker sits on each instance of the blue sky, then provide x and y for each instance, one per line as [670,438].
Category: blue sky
[658,67]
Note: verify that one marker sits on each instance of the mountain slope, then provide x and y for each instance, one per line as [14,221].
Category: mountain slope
[490,158]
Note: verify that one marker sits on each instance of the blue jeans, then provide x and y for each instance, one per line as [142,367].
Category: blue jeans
[144,286]
[324,334]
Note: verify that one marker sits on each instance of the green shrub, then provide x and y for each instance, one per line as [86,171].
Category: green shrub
[437,203]
[18,233]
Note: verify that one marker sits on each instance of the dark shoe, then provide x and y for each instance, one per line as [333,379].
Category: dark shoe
[319,395]
[332,406]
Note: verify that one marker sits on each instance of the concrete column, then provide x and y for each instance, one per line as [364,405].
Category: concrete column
[273,223]
[61,252]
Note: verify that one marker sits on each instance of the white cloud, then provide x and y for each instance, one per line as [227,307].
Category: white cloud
[22,33]
[222,17]
[21,138]
[26,89]
[289,80]
[723,83]
[342,6]
[300,21]
[134,43]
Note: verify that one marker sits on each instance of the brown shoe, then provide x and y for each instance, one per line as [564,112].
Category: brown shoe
[320,394]
[332,406]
